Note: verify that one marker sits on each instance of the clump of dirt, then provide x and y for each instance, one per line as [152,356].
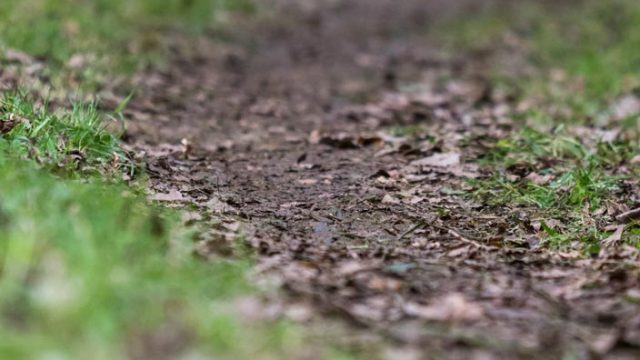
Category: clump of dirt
[341,140]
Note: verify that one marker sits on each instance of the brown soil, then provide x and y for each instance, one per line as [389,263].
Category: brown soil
[287,128]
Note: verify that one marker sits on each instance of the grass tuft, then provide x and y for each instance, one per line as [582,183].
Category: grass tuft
[570,158]
[74,140]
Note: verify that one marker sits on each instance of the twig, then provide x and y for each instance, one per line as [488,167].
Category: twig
[629,216]
[464,239]
[413,228]
[615,237]
[475,243]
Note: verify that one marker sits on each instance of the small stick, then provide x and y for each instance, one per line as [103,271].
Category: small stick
[413,228]
[469,241]
[629,216]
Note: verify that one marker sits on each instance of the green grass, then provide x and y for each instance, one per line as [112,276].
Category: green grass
[71,141]
[593,43]
[559,146]
[111,36]
[571,190]
[598,42]
[89,270]
[581,180]
[585,60]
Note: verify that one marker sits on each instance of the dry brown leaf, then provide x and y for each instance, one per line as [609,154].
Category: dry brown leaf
[615,237]
[389,199]
[451,308]
[173,195]
[6,126]
[539,179]
[307,182]
[439,160]
[12,55]
[629,216]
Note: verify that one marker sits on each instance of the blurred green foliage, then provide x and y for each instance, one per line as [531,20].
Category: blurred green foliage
[595,42]
[88,271]
[121,33]
[88,267]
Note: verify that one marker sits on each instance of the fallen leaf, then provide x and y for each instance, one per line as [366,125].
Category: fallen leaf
[186,148]
[416,200]
[629,216]
[603,342]
[346,141]
[539,179]
[314,137]
[77,61]
[439,160]
[626,107]
[382,283]
[300,312]
[307,181]
[6,126]
[173,195]
[451,308]
[16,56]
[388,199]
[615,237]
[369,141]
[340,141]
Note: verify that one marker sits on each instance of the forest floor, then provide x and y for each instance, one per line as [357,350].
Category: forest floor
[384,181]
[402,180]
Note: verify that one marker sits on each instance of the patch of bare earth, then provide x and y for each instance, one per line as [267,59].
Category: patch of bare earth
[287,131]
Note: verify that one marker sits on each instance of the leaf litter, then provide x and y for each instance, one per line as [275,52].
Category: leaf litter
[357,202]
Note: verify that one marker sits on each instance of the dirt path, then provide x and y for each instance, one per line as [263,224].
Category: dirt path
[303,131]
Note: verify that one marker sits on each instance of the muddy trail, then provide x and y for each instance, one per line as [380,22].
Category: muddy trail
[292,129]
